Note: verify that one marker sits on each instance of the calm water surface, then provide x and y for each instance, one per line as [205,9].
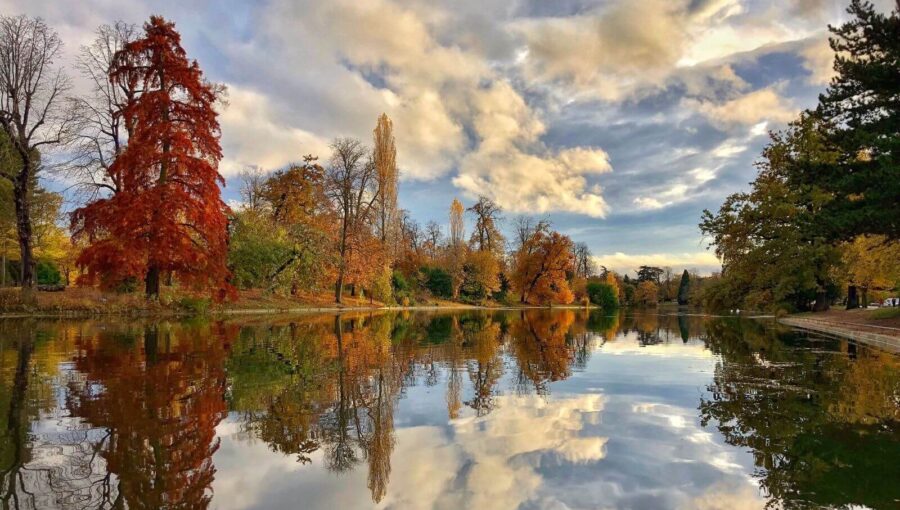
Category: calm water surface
[505,410]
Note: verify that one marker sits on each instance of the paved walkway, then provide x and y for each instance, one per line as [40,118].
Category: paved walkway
[887,338]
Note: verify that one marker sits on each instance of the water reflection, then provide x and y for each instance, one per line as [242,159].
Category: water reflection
[530,408]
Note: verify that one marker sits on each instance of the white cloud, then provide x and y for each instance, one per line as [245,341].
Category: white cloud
[764,104]
[252,137]
[818,59]
[703,261]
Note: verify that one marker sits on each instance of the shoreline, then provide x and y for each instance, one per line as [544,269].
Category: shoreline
[882,337]
[168,313]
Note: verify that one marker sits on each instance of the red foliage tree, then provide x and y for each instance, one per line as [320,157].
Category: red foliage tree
[169,215]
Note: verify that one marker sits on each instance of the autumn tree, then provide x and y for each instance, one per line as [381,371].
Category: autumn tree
[352,184]
[282,240]
[32,114]
[456,249]
[169,215]
[771,257]
[434,238]
[869,263]
[385,158]
[541,266]
[647,293]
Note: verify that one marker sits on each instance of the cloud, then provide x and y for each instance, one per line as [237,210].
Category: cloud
[818,59]
[752,108]
[606,51]
[703,261]
[251,136]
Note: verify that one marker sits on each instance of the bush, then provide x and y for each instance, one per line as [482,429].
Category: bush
[438,282]
[382,289]
[47,274]
[196,306]
[602,295]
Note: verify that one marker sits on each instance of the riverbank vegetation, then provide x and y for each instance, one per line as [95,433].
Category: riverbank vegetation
[819,224]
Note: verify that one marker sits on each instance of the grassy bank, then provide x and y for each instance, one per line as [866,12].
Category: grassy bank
[85,302]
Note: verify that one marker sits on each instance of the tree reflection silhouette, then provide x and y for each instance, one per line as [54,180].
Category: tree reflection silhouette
[822,427]
[160,396]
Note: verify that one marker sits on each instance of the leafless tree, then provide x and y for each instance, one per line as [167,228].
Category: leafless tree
[351,183]
[434,236]
[526,227]
[33,113]
[584,264]
[252,187]
[101,129]
[487,236]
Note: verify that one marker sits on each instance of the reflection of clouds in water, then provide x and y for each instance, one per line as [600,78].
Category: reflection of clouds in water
[629,343]
[529,452]
[503,450]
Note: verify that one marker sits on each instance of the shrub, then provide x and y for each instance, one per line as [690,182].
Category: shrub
[382,288]
[194,305]
[602,295]
[438,282]
[48,274]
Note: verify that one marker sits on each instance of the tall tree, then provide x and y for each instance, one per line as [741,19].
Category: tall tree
[584,265]
[352,183]
[542,265]
[771,257]
[456,250]
[168,215]
[385,156]
[862,106]
[32,113]
[487,236]
[684,288]
[102,130]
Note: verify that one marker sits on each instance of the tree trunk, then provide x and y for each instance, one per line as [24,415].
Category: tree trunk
[822,303]
[339,286]
[23,228]
[852,297]
[865,298]
[3,271]
[151,283]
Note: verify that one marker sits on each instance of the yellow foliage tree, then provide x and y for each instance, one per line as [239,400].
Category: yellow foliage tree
[647,294]
[871,263]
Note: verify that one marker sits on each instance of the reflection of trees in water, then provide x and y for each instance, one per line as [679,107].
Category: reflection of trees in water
[159,396]
[335,384]
[822,426]
[134,427]
[144,401]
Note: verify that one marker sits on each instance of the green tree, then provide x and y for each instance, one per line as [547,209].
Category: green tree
[684,288]
[770,256]
[603,295]
[862,104]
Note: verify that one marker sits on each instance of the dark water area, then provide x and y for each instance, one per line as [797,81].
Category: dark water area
[504,410]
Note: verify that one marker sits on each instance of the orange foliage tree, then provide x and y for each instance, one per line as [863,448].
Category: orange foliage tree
[169,215]
[542,265]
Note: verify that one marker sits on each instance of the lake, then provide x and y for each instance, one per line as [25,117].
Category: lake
[530,409]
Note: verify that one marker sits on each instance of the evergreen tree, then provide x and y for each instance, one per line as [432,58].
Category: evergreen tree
[684,288]
[862,105]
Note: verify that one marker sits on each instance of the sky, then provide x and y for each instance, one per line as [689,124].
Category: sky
[617,120]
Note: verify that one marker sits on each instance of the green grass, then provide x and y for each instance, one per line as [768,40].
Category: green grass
[886,313]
